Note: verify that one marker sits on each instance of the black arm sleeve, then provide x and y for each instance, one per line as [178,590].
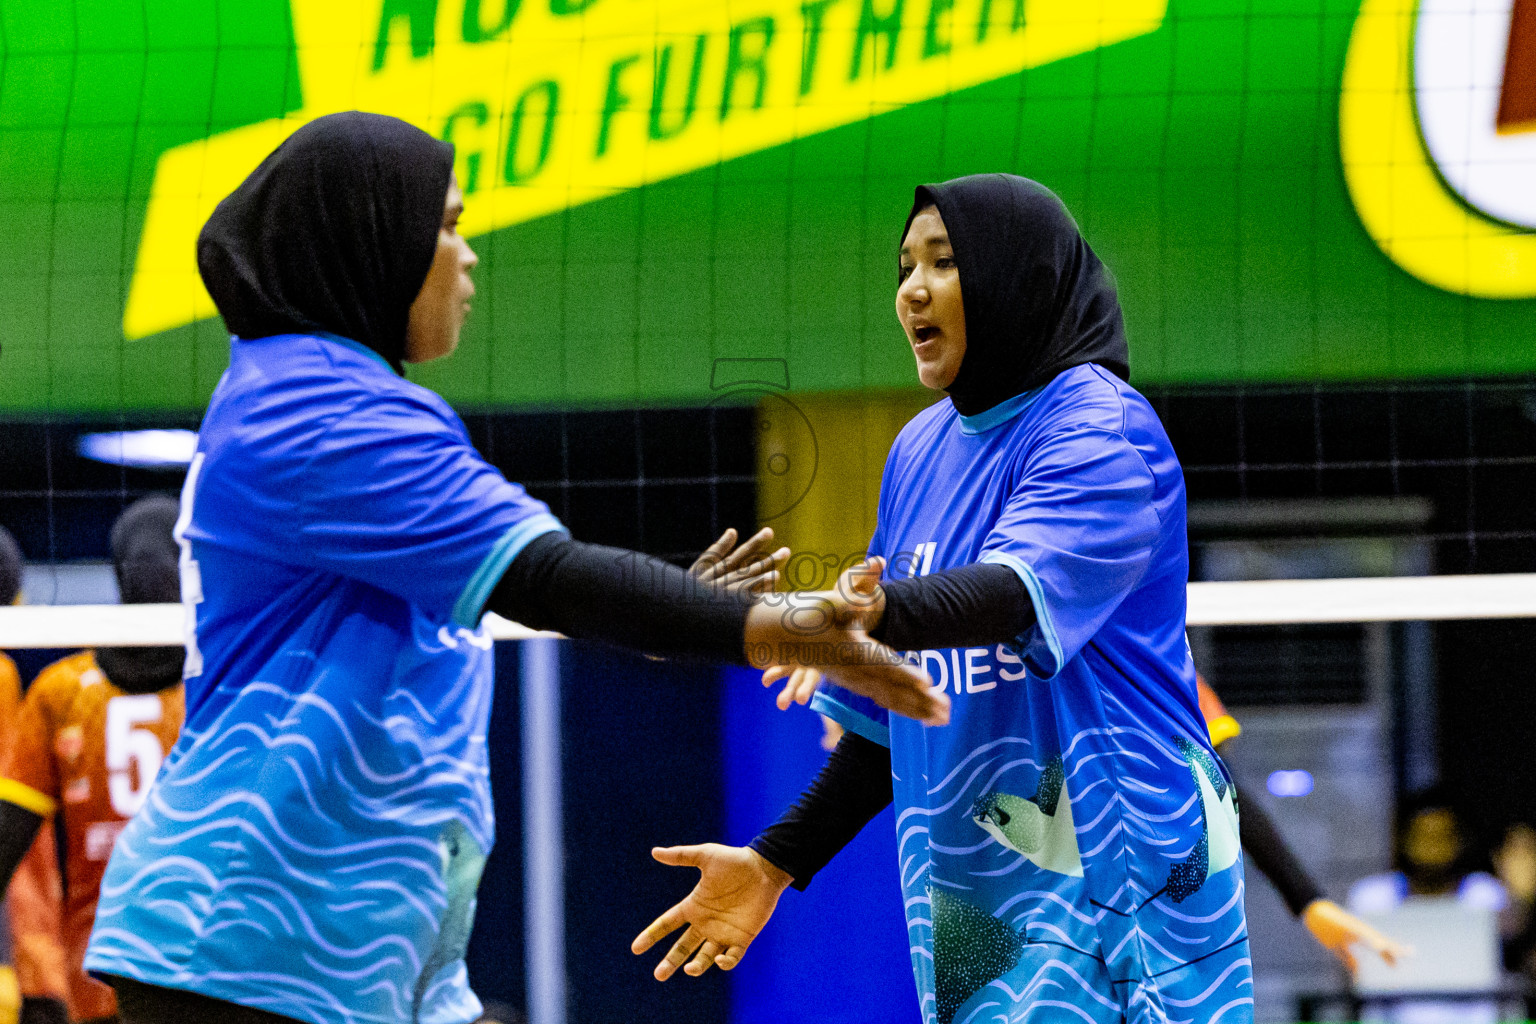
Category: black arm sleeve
[18,827]
[623,597]
[853,786]
[1271,855]
[971,606]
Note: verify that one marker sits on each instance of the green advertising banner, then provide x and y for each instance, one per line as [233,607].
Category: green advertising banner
[1284,190]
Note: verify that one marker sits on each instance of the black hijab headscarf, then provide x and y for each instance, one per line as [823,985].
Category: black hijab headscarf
[334,232]
[145,556]
[1037,299]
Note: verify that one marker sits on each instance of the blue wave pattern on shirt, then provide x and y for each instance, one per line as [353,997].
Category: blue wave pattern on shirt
[347,907]
[1055,939]
[313,844]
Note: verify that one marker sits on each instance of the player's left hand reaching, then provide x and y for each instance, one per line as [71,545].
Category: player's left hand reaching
[828,630]
[862,584]
[1338,930]
[752,568]
[735,896]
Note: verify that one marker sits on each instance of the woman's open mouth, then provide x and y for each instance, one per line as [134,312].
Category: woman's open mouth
[925,333]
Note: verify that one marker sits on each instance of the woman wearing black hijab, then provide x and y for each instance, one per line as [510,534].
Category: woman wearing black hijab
[1068,845]
[312,846]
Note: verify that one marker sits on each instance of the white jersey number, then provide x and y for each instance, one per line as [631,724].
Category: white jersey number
[127,744]
[191,574]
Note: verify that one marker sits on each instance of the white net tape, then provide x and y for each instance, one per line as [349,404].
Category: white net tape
[1251,603]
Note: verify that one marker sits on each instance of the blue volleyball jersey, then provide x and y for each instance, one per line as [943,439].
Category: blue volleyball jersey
[1068,843]
[314,841]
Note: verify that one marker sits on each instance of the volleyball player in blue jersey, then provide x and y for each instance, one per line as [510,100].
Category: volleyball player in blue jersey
[1068,845]
[313,843]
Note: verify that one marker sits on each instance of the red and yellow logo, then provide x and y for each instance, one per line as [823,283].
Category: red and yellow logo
[1437,125]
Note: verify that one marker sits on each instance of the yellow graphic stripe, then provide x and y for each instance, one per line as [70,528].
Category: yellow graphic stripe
[27,798]
[1223,729]
[554,103]
[1401,200]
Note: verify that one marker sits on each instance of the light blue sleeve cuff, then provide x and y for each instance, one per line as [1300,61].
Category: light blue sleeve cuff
[1043,621]
[853,721]
[467,610]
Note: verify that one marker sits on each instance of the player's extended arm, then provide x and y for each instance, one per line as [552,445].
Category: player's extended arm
[970,606]
[739,887]
[18,827]
[636,601]
[1335,928]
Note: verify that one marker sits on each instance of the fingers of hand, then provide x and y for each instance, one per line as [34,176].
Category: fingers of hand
[804,682]
[800,687]
[704,959]
[749,577]
[658,929]
[798,690]
[730,958]
[678,955]
[865,577]
[710,564]
[899,688]
[749,550]
[679,856]
[774,673]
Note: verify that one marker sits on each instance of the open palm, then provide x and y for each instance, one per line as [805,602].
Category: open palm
[734,898]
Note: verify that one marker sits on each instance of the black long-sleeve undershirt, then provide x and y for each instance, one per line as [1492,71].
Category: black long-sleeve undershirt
[974,605]
[622,597]
[1273,856]
[852,787]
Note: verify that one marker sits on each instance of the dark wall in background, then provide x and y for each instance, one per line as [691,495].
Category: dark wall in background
[665,481]
[640,768]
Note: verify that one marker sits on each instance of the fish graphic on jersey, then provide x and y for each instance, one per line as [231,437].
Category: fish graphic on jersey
[463,862]
[1039,828]
[1219,846]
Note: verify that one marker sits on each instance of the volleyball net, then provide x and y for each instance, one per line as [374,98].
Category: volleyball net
[1237,603]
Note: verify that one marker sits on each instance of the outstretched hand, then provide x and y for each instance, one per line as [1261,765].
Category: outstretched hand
[1337,930]
[751,568]
[734,898]
[864,666]
[828,630]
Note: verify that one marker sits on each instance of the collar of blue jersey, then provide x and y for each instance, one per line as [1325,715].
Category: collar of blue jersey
[999,414]
[355,346]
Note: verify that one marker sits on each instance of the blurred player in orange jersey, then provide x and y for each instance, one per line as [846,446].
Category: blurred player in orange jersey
[88,742]
[1330,924]
[33,981]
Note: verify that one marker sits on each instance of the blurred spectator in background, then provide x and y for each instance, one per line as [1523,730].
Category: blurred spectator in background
[1515,864]
[32,976]
[1433,857]
[1434,874]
